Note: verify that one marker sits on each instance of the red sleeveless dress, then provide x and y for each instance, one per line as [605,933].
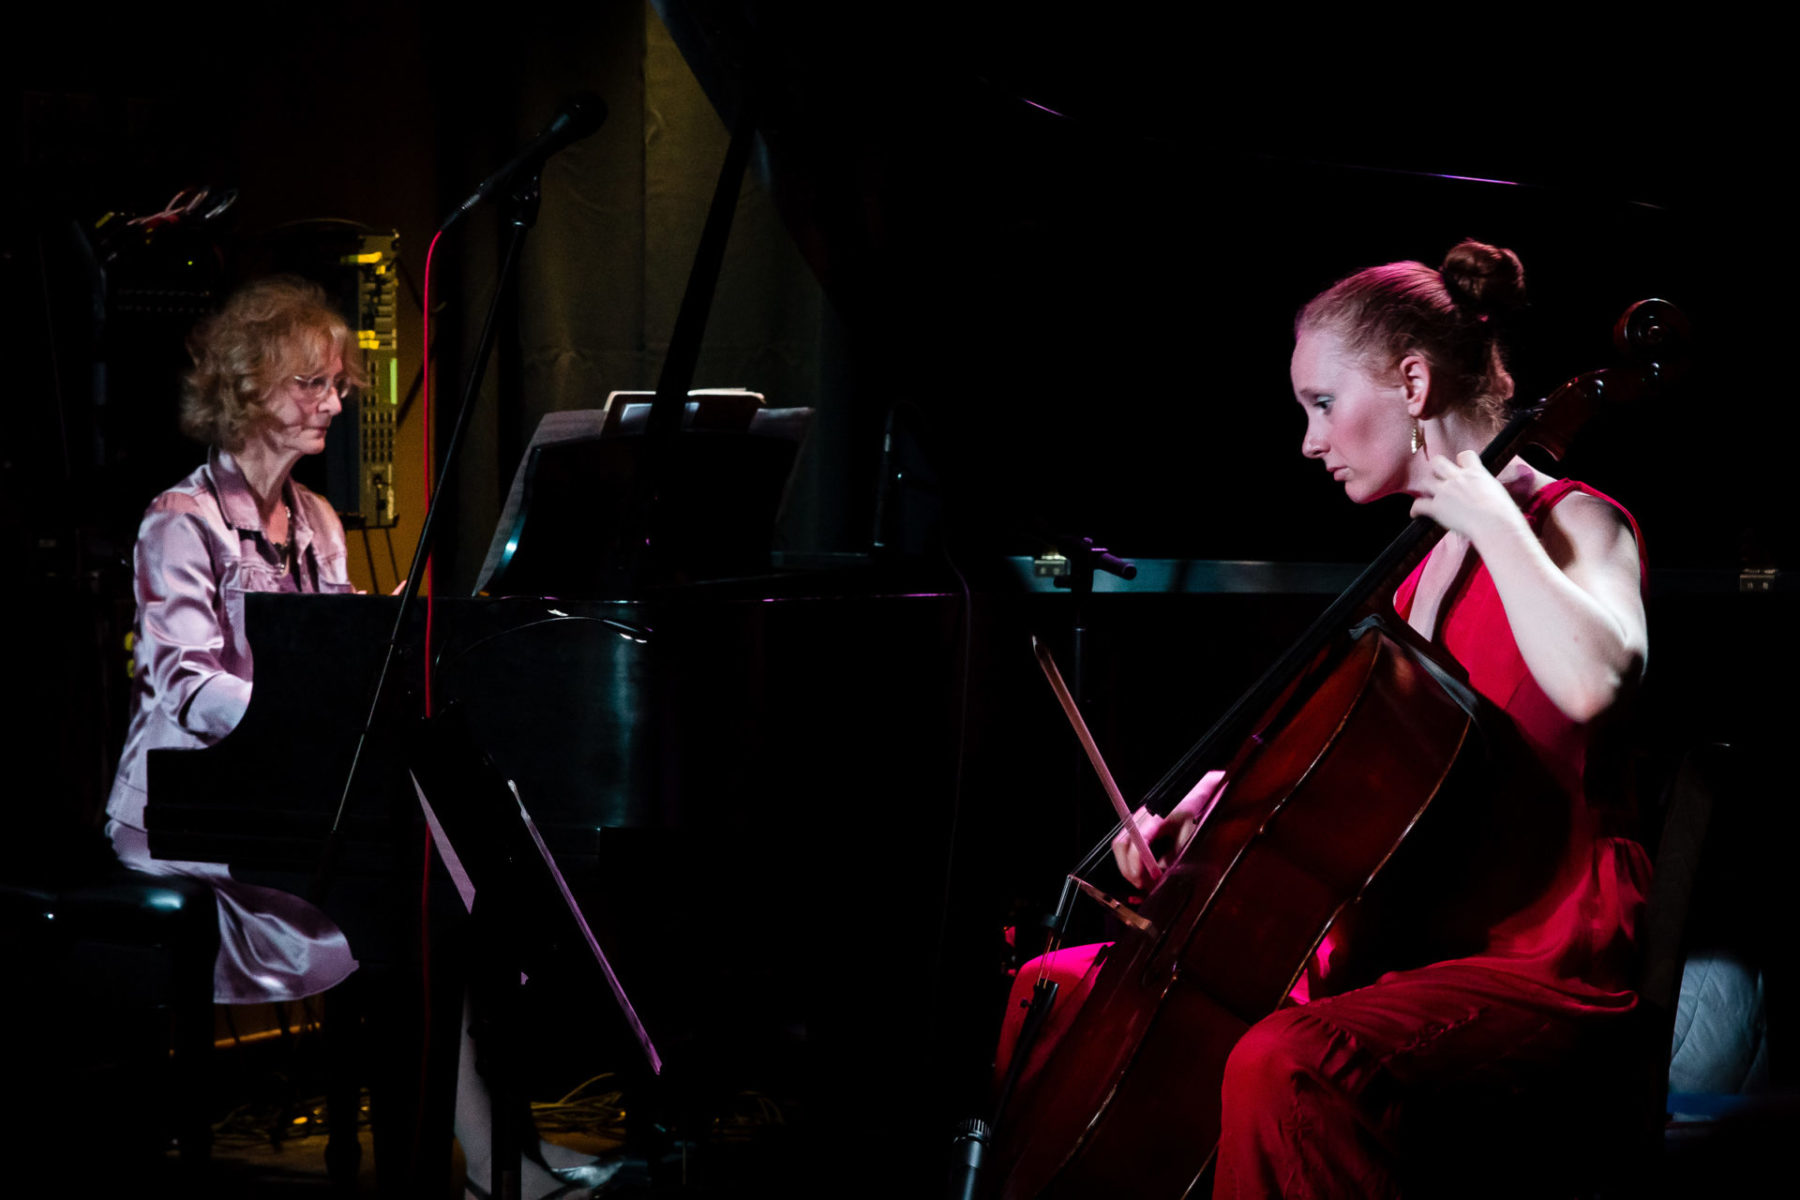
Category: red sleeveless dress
[1319,1098]
[1580,939]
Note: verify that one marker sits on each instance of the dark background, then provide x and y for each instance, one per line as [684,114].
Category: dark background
[1088,314]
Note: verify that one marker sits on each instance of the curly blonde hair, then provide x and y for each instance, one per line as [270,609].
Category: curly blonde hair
[267,332]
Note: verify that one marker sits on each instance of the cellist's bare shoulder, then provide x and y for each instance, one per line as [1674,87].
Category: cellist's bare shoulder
[1592,542]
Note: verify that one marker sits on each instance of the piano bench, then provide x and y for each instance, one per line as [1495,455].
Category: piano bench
[90,947]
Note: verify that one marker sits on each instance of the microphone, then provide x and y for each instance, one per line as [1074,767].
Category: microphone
[967,1150]
[579,116]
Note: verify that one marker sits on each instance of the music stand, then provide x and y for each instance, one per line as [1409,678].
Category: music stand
[568,521]
[521,909]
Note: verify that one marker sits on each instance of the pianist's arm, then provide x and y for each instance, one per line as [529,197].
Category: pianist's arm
[193,652]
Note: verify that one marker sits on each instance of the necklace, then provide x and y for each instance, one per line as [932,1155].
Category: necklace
[284,548]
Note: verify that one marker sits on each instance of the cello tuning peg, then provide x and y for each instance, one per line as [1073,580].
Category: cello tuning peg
[1651,331]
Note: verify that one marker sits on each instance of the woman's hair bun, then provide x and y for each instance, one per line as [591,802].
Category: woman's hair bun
[1484,280]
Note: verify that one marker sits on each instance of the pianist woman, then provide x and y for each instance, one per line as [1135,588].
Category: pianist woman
[270,372]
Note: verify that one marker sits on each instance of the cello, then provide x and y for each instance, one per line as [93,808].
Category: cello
[1361,744]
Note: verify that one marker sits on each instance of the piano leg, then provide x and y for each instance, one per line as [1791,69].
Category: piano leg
[416,1023]
[412,1088]
[345,1006]
[378,1030]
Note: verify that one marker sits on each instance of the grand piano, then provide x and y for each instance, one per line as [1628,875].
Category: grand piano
[816,815]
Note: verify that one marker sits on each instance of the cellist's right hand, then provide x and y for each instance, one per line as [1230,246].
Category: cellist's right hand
[1174,829]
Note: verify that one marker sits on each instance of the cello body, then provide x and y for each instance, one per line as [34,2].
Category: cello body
[1378,778]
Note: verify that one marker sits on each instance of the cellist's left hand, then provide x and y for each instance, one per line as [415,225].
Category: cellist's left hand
[1572,590]
[1464,498]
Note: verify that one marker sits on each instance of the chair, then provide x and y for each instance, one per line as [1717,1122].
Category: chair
[1701,778]
[43,924]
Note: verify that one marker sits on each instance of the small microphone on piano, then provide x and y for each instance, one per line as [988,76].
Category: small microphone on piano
[1112,564]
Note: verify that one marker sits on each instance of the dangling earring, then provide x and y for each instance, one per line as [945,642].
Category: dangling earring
[1418,437]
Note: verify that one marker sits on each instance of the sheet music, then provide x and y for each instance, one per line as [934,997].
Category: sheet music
[634,413]
[571,426]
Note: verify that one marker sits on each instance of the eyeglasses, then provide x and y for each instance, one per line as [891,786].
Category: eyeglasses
[313,388]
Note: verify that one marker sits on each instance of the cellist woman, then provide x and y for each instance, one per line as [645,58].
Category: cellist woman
[1536,589]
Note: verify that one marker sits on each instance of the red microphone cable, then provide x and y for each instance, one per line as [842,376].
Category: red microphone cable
[430,595]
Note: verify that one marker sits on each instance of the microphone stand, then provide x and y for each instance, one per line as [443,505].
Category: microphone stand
[1085,559]
[521,214]
[578,118]
[973,1136]
[500,974]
